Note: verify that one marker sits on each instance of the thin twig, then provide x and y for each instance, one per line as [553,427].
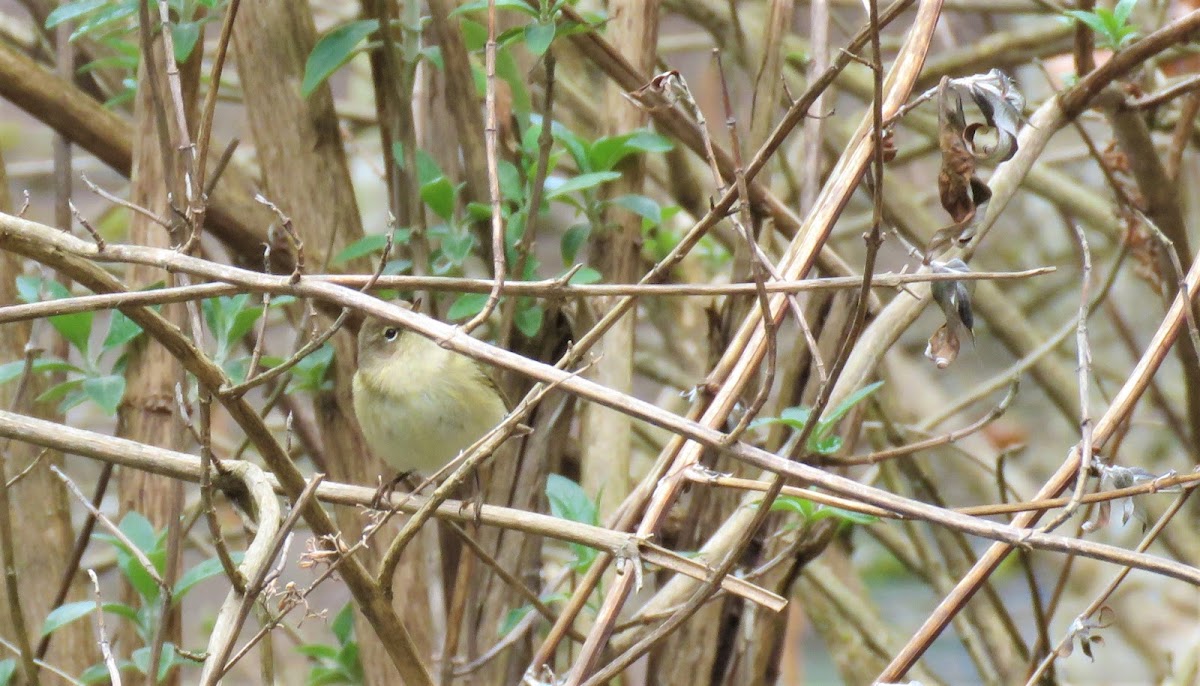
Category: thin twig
[492,145]
[110,661]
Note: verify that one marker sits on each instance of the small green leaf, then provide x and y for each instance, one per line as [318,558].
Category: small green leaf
[12,370]
[311,372]
[640,205]
[827,445]
[458,248]
[1123,9]
[844,515]
[538,36]
[121,330]
[847,405]
[478,5]
[467,305]
[361,248]
[72,10]
[318,651]
[794,417]
[578,183]
[569,501]
[439,196]
[585,276]
[60,390]
[343,624]
[105,391]
[790,503]
[65,614]
[572,240]
[109,15]
[333,50]
[167,660]
[8,667]
[512,619]
[607,153]
[184,37]
[202,571]
[510,183]
[529,320]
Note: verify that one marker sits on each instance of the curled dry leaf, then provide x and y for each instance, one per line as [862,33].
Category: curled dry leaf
[662,91]
[954,299]
[1116,477]
[1081,630]
[961,192]
[943,347]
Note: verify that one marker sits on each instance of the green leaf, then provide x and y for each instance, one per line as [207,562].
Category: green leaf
[364,246]
[529,320]
[109,15]
[790,503]
[572,240]
[538,36]
[184,37]
[439,195]
[8,667]
[65,614]
[333,50]
[569,501]
[309,374]
[640,205]
[139,531]
[105,391]
[205,570]
[343,624]
[850,516]
[467,305]
[847,405]
[427,168]
[512,619]
[318,651]
[827,445]
[60,390]
[585,276]
[121,330]
[72,10]
[76,327]
[510,183]
[12,370]
[1123,9]
[579,183]
[167,660]
[458,248]
[607,153]
[794,417]
[477,5]
[1089,19]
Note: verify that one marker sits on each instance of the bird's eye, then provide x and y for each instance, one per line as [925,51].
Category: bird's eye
[391,334]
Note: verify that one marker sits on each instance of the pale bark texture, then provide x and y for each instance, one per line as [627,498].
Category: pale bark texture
[149,412]
[40,506]
[606,434]
[304,172]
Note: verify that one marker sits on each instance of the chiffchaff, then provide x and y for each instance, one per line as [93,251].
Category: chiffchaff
[420,405]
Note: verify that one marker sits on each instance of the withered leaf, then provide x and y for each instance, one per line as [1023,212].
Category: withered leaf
[943,347]
[954,299]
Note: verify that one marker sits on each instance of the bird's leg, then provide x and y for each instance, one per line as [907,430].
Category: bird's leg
[384,493]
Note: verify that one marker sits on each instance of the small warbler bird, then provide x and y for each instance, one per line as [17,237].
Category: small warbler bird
[420,405]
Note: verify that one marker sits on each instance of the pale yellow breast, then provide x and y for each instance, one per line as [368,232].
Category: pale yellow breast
[419,417]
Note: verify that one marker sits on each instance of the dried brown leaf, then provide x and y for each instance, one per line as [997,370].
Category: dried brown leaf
[943,347]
